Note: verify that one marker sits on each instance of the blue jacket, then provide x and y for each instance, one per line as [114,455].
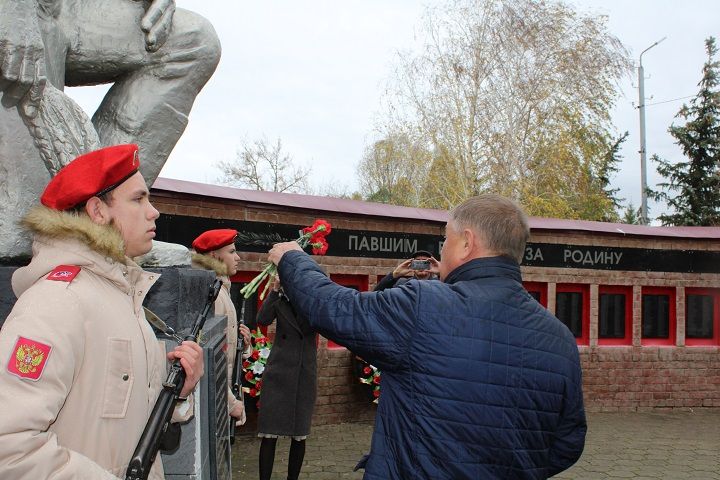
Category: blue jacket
[479,380]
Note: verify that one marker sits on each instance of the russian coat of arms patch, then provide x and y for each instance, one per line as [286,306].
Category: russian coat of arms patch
[28,358]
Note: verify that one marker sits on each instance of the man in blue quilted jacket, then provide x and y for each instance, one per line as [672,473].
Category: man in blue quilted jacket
[479,380]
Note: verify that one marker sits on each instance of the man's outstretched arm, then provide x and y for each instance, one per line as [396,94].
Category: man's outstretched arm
[375,325]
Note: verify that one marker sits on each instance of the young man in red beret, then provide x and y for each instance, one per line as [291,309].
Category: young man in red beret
[215,250]
[81,366]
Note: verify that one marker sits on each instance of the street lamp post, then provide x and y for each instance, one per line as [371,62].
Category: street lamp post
[643,150]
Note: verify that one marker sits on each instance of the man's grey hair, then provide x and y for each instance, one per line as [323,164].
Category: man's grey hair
[499,222]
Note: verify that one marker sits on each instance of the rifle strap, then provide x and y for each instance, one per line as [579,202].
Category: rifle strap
[160,325]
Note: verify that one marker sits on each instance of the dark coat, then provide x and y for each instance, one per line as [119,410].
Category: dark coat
[479,381]
[388,281]
[290,377]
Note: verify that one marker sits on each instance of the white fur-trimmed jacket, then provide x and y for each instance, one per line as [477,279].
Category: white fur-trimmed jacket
[224,306]
[82,417]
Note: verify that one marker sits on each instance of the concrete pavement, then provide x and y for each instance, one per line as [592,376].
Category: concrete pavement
[639,446]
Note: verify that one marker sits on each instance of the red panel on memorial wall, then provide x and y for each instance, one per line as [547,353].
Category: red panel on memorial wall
[709,333]
[582,337]
[627,293]
[655,330]
[538,290]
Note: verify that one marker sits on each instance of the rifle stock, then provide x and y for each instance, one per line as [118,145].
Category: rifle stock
[149,443]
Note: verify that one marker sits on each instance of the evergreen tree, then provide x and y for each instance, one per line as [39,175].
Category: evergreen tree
[695,182]
[607,169]
[631,215]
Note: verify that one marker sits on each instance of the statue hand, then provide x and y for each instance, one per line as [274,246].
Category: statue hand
[22,54]
[157,23]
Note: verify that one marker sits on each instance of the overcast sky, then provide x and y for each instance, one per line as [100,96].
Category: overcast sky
[313,72]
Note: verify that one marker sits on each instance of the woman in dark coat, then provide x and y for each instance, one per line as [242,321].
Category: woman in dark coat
[289,383]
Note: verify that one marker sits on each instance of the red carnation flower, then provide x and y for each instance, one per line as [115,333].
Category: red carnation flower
[367,371]
[258,384]
[376,393]
[248,375]
[255,355]
[319,247]
[253,392]
[322,226]
[376,380]
[317,237]
[246,364]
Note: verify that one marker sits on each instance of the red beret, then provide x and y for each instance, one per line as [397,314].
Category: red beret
[214,239]
[90,175]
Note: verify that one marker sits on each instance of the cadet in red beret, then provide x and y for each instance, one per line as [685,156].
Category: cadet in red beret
[83,365]
[91,175]
[215,250]
[215,240]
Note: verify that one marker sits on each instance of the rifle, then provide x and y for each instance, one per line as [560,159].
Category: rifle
[237,376]
[149,443]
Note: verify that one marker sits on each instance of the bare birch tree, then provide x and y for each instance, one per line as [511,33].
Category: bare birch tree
[263,166]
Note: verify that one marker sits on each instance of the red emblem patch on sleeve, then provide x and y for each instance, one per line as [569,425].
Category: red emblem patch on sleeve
[64,273]
[28,358]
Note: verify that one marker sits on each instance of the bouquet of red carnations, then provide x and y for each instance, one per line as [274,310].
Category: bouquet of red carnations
[313,235]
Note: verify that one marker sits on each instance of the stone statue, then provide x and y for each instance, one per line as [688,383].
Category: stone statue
[165,254]
[158,58]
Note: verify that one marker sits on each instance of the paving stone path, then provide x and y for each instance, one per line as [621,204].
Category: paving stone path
[639,446]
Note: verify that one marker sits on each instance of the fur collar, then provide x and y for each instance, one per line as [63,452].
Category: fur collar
[53,224]
[206,262]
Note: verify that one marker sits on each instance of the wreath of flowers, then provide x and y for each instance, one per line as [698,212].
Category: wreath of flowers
[369,375]
[254,365]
